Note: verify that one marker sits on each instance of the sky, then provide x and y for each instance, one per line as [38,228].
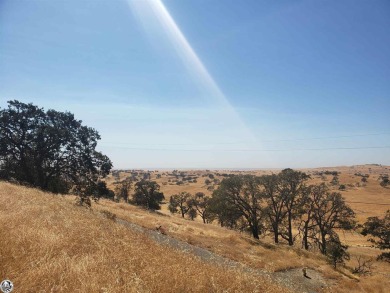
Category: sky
[208,83]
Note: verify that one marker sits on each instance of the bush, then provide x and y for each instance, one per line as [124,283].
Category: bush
[335,251]
[335,180]
[385,256]
[385,181]
[363,266]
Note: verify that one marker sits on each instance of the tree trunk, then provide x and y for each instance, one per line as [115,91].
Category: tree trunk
[276,233]
[305,235]
[323,244]
[255,228]
[255,232]
[290,236]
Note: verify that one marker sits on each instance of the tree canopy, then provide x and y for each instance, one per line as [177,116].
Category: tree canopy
[181,203]
[240,195]
[285,206]
[123,188]
[147,194]
[379,229]
[50,150]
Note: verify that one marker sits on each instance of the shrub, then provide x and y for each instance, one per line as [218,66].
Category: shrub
[385,256]
[342,187]
[335,251]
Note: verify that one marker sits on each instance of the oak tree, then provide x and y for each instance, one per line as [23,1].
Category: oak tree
[50,150]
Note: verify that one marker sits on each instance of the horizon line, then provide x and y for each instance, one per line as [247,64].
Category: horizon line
[246,169]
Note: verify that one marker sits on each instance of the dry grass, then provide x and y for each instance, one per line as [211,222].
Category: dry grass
[260,254]
[264,254]
[49,245]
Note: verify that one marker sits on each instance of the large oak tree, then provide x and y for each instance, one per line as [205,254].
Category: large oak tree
[50,150]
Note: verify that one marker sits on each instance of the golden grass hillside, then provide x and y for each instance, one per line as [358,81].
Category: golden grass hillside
[47,244]
[367,199]
[48,240]
[261,254]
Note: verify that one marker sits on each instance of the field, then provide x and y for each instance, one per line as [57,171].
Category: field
[367,199]
[47,244]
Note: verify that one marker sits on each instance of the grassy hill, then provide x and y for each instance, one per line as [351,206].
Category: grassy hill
[47,244]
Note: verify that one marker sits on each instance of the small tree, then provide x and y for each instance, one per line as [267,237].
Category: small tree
[336,252]
[192,214]
[147,194]
[335,180]
[384,180]
[201,204]
[180,203]
[380,230]
[123,188]
[363,266]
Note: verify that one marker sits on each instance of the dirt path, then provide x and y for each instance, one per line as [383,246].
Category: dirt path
[292,279]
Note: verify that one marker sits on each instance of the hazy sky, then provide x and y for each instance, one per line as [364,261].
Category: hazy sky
[208,83]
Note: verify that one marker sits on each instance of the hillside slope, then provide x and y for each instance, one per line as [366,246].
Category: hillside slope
[47,244]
